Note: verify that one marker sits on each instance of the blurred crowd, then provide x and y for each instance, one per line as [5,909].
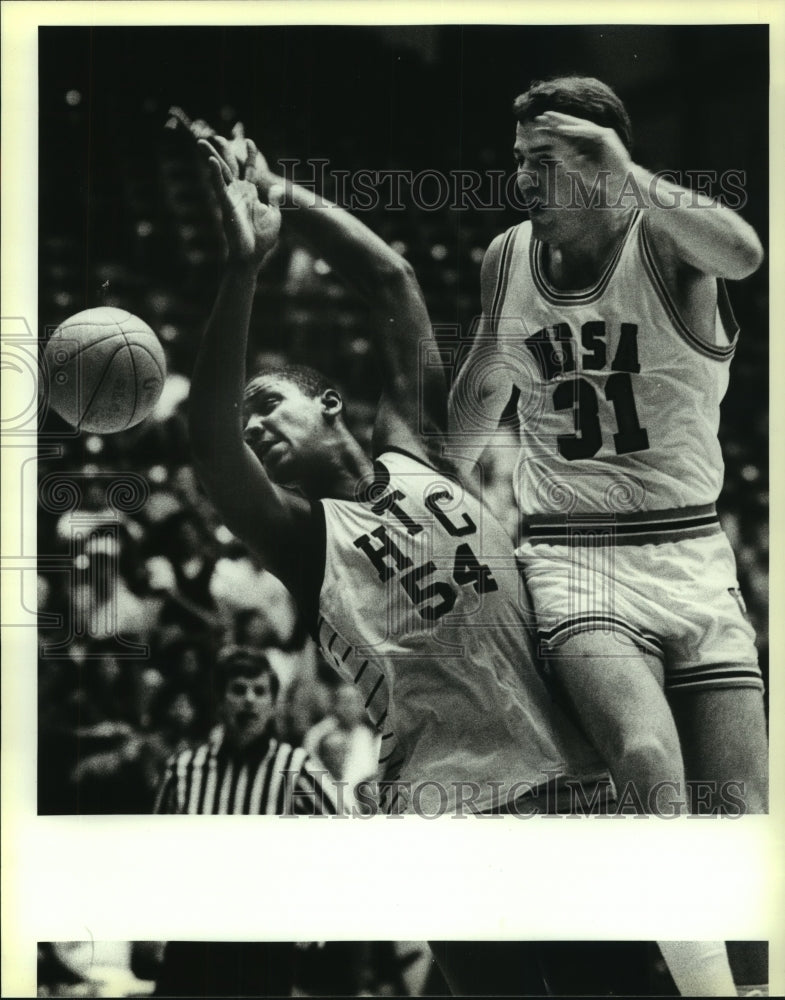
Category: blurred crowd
[143,602]
[139,582]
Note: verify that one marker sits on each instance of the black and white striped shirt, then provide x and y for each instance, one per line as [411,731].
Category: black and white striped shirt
[268,779]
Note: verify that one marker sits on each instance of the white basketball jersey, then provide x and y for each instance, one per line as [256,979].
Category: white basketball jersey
[619,398]
[423,608]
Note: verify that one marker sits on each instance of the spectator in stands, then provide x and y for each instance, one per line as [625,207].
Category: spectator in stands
[343,741]
[182,568]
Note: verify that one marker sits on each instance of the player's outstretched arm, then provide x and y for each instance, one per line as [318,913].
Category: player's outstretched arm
[264,516]
[414,395]
[412,412]
[484,382]
[686,226]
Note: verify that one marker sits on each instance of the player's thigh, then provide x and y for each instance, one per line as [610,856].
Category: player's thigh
[615,689]
[723,739]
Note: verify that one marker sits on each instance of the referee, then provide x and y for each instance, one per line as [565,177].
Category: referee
[242,769]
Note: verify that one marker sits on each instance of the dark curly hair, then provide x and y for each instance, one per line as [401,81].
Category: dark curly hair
[311,381]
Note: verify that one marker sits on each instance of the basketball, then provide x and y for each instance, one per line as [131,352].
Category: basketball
[106,369]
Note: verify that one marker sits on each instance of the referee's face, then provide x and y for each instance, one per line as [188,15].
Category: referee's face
[248,706]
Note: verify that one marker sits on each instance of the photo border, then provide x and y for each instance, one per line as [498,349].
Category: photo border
[74,878]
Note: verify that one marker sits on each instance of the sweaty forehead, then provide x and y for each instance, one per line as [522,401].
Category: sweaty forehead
[528,135]
[267,385]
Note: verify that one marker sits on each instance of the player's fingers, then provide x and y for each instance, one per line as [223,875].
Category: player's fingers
[206,148]
[276,195]
[238,131]
[213,142]
[230,206]
[215,158]
[201,129]
[222,145]
[560,116]
[226,171]
[567,125]
[179,117]
[251,153]
[219,149]
[217,180]
[224,150]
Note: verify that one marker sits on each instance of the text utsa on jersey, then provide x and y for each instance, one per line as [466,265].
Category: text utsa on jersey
[554,350]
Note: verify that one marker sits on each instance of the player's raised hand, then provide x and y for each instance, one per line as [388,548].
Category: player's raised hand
[590,143]
[234,151]
[239,148]
[251,227]
[199,129]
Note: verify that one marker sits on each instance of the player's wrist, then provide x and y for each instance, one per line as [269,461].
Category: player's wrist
[242,262]
[243,265]
[266,179]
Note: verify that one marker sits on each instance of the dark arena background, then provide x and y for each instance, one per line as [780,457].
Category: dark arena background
[139,583]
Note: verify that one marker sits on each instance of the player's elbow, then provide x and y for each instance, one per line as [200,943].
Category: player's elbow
[393,282]
[744,254]
[395,272]
[386,274]
[748,257]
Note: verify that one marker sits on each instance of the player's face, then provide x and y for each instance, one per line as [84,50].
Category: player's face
[284,427]
[544,164]
[248,706]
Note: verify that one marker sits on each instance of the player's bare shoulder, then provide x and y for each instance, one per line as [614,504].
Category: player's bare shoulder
[692,291]
[493,255]
[492,262]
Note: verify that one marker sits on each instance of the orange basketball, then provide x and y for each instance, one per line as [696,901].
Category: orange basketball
[106,370]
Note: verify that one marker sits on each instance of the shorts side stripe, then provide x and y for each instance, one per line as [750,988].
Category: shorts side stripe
[593,623]
[634,528]
[715,676]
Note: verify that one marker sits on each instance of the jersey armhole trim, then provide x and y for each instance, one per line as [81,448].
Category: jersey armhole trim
[689,336]
[502,277]
[408,454]
[729,322]
[448,470]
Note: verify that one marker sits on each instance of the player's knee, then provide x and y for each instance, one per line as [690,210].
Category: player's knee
[649,757]
[653,753]
[648,776]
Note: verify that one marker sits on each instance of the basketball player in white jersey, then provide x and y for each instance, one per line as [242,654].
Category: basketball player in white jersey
[408,578]
[608,311]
